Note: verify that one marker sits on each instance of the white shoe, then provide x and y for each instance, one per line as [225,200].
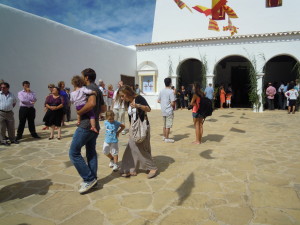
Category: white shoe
[115,167]
[111,164]
[123,132]
[85,186]
[163,138]
[169,140]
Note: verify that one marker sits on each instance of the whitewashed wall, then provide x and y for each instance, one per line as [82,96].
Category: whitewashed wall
[214,51]
[172,23]
[42,51]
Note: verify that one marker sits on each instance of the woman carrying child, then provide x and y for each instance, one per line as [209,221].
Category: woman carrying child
[79,99]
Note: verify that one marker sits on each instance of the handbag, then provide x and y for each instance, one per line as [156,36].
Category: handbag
[139,129]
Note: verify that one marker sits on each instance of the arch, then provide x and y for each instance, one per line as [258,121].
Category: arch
[147,65]
[189,71]
[279,69]
[234,70]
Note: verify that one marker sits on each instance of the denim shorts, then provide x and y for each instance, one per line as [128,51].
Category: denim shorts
[197,115]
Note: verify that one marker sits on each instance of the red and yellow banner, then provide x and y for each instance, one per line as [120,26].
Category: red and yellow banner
[181,5]
[217,10]
[202,9]
[213,25]
[231,28]
[230,12]
[273,3]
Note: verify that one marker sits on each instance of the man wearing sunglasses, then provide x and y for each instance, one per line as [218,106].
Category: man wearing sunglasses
[7,103]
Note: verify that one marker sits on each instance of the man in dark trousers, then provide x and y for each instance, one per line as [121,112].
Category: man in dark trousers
[27,100]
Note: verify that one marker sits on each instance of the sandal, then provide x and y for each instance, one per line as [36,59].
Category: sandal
[125,175]
[50,138]
[152,174]
[133,173]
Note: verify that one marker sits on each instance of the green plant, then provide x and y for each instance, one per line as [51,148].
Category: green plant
[203,71]
[254,97]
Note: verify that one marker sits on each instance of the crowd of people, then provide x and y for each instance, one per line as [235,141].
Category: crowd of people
[283,96]
[95,103]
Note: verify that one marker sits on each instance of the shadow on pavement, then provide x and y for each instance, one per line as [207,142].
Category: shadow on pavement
[178,137]
[24,189]
[213,137]
[237,130]
[185,189]
[163,162]
[207,154]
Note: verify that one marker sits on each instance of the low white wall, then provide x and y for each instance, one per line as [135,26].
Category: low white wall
[42,51]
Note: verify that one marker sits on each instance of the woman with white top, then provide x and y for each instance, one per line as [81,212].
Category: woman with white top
[292,95]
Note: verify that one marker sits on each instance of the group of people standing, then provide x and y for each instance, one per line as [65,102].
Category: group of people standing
[27,99]
[284,96]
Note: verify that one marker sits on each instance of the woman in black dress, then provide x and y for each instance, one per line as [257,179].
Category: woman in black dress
[53,117]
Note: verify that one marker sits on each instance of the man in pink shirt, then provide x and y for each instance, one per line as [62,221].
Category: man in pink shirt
[270,92]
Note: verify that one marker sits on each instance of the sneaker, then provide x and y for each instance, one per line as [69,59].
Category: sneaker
[169,140]
[15,142]
[111,164]
[123,132]
[85,186]
[115,168]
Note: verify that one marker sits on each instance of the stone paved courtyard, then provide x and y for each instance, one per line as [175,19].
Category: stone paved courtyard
[247,171]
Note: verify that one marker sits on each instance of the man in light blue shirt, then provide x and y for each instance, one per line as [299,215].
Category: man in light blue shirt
[209,92]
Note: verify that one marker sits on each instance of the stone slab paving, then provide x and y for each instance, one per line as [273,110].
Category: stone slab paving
[246,171]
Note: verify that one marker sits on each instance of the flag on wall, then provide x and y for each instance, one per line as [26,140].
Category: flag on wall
[231,28]
[230,12]
[213,25]
[273,3]
[181,5]
[202,9]
[217,10]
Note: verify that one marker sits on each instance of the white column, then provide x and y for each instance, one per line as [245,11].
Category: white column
[209,79]
[259,78]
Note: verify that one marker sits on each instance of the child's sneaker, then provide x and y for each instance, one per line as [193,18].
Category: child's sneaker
[115,167]
[111,164]
[169,140]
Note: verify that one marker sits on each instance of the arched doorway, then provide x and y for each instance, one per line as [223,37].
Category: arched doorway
[279,69]
[234,71]
[189,71]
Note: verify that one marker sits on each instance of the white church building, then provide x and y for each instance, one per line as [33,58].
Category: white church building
[42,51]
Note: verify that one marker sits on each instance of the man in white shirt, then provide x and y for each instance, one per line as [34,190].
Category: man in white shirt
[7,103]
[166,99]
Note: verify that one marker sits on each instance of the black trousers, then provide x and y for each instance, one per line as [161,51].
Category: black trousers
[28,114]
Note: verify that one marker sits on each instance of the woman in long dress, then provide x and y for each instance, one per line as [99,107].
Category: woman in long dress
[222,96]
[137,155]
[53,117]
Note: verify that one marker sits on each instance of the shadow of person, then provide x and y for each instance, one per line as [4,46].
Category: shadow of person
[24,189]
[162,162]
[207,154]
[213,137]
[178,137]
[185,189]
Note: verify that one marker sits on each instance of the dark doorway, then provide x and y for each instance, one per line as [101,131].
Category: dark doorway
[234,71]
[278,70]
[190,71]
[240,85]
[128,80]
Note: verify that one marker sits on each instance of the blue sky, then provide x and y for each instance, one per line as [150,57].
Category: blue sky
[127,22]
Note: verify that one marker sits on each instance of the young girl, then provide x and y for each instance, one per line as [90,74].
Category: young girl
[110,94]
[110,145]
[197,118]
[228,96]
[79,99]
